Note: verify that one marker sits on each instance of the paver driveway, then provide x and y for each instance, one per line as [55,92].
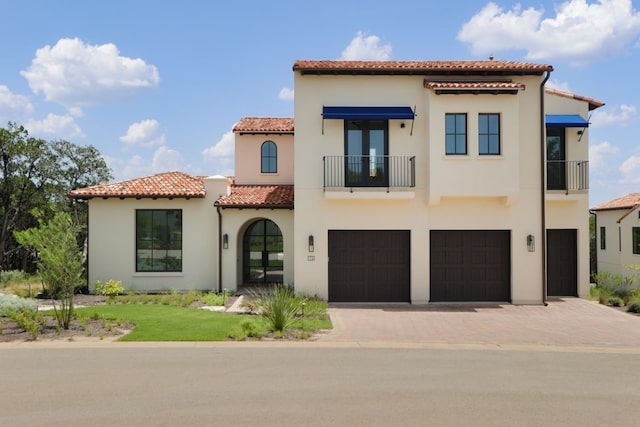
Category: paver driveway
[564,322]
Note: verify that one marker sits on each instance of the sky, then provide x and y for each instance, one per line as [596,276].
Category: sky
[158,85]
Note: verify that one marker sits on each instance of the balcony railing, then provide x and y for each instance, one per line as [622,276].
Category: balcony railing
[369,171]
[567,175]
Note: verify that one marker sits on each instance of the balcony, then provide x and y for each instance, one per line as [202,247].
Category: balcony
[568,175]
[350,172]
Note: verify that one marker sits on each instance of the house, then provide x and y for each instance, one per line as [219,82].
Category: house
[414,181]
[617,225]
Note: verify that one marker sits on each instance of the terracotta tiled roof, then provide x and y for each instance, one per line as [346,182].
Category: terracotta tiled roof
[264,125]
[258,196]
[419,67]
[593,103]
[625,202]
[462,86]
[162,185]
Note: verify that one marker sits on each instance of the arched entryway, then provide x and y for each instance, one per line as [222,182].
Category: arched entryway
[262,253]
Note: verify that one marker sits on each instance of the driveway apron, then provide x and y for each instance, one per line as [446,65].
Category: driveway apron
[563,322]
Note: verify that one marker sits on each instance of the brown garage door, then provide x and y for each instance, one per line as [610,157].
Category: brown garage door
[562,263]
[369,266]
[470,265]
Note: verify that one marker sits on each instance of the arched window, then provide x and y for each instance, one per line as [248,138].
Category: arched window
[269,157]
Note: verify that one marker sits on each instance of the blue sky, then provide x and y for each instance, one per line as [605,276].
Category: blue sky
[158,85]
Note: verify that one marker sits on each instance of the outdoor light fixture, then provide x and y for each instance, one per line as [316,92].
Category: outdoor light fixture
[531,243]
[225,241]
[311,243]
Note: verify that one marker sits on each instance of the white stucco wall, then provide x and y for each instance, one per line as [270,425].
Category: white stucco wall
[248,157]
[472,193]
[618,252]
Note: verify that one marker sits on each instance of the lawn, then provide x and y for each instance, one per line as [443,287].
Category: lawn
[167,323]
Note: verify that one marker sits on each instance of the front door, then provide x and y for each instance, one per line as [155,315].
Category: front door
[263,253]
[366,146]
[556,159]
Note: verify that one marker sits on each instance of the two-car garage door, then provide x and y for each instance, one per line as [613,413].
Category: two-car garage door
[374,265]
[470,265]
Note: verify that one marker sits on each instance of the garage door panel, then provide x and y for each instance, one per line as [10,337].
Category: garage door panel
[470,265]
[374,265]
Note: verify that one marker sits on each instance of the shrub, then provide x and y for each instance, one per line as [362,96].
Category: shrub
[110,288]
[634,307]
[279,306]
[622,287]
[248,328]
[615,301]
[12,303]
[602,294]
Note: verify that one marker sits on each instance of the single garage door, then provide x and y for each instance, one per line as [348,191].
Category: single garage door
[470,265]
[369,266]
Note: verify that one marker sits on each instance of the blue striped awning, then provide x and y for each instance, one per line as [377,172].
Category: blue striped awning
[368,113]
[565,121]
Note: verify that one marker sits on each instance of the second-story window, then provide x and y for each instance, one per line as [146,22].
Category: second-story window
[488,134]
[456,133]
[269,157]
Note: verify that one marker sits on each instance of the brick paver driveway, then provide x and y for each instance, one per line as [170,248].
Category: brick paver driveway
[567,322]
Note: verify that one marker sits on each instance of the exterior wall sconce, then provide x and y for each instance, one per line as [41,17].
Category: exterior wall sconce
[225,241]
[531,243]
[311,246]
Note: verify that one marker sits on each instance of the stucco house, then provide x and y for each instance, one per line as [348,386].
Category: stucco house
[617,224]
[414,181]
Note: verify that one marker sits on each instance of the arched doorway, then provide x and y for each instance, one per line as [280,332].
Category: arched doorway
[262,253]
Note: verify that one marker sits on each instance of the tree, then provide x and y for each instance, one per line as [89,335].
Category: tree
[59,260]
[38,174]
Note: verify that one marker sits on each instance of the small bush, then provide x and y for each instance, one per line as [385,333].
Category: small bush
[279,306]
[248,328]
[615,302]
[12,303]
[602,294]
[110,288]
[634,307]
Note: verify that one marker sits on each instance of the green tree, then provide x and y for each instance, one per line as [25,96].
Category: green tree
[38,174]
[59,260]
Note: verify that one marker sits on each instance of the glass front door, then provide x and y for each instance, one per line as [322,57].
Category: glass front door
[263,253]
[366,149]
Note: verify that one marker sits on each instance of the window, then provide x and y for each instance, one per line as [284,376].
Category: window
[489,134]
[635,231]
[158,240]
[269,157]
[456,133]
[603,238]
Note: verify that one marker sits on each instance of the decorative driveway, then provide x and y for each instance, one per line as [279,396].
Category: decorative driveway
[570,322]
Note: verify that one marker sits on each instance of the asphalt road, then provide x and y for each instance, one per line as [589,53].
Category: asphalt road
[309,384]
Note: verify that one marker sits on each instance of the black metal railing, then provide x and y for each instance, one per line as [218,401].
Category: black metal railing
[369,171]
[567,175]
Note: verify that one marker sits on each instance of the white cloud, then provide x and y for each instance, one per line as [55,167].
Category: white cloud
[286,94]
[76,75]
[598,156]
[13,107]
[164,159]
[145,133]
[54,126]
[630,170]
[366,48]
[622,114]
[225,147]
[555,84]
[579,32]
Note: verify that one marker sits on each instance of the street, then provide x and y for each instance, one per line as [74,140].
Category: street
[311,384]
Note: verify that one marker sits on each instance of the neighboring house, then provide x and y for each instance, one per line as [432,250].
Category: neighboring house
[415,181]
[617,227]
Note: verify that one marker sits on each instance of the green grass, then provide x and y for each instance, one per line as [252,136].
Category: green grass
[167,323]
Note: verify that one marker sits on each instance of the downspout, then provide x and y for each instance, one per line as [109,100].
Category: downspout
[219,249]
[543,192]
[595,244]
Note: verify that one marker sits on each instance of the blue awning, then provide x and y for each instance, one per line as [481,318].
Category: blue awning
[566,121]
[368,113]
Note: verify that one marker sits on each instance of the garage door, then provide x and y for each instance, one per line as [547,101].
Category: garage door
[470,265]
[369,266]
[562,263]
